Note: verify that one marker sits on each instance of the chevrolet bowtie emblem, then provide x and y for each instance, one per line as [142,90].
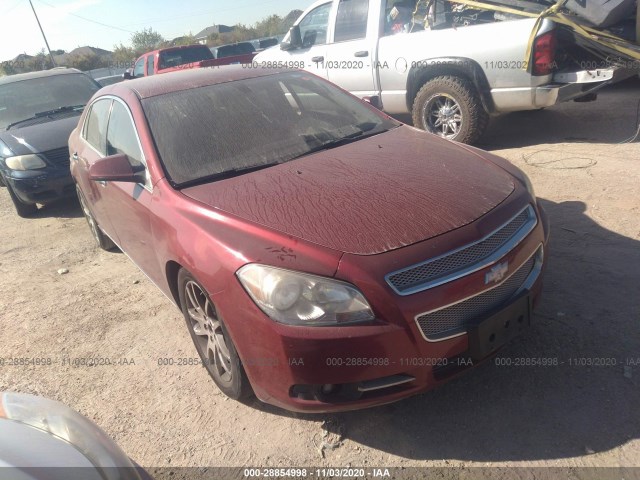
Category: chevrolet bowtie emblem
[497,273]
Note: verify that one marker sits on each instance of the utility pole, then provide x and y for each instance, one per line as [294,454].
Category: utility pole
[53,62]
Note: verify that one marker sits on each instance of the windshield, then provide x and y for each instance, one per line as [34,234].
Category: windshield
[25,99]
[175,58]
[203,133]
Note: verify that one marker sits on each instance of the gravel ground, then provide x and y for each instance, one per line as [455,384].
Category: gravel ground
[579,413]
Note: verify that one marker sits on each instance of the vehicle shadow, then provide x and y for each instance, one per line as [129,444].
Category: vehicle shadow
[586,404]
[65,208]
[613,118]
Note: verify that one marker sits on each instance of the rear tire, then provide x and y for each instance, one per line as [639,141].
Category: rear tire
[24,210]
[450,107]
[211,339]
[102,240]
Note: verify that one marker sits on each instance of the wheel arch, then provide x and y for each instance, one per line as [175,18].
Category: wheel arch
[172,269]
[424,70]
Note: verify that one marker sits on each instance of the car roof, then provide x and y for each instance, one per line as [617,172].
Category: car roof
[165,83]
[44,73]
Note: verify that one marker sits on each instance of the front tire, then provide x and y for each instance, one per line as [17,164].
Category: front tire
[450,107]
[211,338]
[102,240]
[24,210]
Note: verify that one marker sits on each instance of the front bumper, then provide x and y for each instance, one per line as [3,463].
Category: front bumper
[41,186]
[345,368]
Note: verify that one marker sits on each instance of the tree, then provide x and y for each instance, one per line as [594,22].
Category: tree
[85,62]
[290,19]
[186,40]
[42,61]
[122,57]
[145,41]
[269,27]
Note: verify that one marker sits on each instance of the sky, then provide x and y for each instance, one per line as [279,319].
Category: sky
[109,22]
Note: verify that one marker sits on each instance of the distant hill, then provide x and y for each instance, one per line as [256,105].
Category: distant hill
[70,58]
[23,57]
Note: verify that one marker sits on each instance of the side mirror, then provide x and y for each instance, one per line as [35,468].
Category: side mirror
[374,101]
[128,74]
[116,168]
[295,39]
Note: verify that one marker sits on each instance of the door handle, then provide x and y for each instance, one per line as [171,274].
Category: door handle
[361,54]
[103,184]
[317,59]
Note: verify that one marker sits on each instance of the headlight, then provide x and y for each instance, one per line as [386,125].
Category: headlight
[62,422]
[529,185]
[301,299]
[4,150]
[25,162]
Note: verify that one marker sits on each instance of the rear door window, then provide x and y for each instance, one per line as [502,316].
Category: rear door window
[351,23]
[95,129]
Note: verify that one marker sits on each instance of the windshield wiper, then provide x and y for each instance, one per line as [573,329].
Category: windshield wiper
[234,172]
[45,114]
[364,132]
[58,110]
[20,121]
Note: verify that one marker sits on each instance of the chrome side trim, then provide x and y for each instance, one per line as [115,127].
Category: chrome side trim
[386,382]
[528,283]
[518,237]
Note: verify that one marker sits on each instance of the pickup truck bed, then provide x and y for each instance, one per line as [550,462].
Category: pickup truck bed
[450,71]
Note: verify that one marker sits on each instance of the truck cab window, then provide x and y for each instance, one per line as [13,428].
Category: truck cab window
[313,27]
[150,61]
[399,15]
[138,70]
[351,23]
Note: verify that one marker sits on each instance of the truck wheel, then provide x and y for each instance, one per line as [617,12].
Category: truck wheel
[24,210]
[450,107]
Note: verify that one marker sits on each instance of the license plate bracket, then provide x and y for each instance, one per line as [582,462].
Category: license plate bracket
[499,327]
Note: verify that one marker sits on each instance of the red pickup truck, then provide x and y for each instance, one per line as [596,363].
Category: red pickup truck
[179,58]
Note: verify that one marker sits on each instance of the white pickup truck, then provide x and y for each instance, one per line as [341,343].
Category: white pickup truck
[450,71]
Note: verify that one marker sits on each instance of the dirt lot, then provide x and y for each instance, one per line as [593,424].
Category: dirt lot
[569,415]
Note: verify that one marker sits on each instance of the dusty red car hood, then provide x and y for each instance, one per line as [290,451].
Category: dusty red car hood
[368,197]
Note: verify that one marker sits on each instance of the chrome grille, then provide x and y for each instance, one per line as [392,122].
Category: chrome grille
[465,260]
[454,319]
[58,157]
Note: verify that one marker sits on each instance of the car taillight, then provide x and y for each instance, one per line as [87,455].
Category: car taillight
[544,52]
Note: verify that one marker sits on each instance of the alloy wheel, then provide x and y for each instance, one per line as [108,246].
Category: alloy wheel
[208,330]
[442,115]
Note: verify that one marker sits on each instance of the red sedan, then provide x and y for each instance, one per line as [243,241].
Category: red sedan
[325,257]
